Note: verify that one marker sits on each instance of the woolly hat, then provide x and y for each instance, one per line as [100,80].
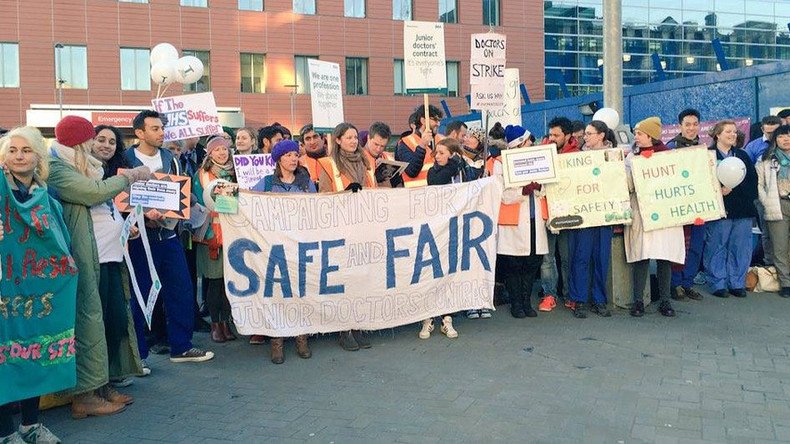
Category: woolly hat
[477,133]
[650,126]
[229,130]
[215,142]
[515,135]
[283,147]
[74,130]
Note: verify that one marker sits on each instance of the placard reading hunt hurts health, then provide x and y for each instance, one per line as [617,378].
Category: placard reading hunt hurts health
[326,95]
[424,66]
[317,263]
[677,187]
[191,115]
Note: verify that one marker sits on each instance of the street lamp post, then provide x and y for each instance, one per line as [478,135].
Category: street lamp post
[60,81]
[613,55]
[293,99]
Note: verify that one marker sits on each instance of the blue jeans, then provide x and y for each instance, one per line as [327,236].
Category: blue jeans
[728,253]
[685,276]
[589,248]
[177,293]
[548,269]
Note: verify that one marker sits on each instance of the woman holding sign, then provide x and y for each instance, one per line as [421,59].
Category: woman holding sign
[728,242]
[76,178]
[665,245]
[216,165]
[346,168]
[773,173]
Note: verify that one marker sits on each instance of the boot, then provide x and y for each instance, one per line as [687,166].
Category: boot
[110,394]
[528,310]
[277,350]
[88,404]
[216,333]
[516,299]
[447,327]
[227,332]
[427,328]
[361,339]
[348,342]
[302,349]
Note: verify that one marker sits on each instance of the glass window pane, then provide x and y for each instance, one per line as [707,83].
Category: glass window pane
[195,3]
[251,5]
[71,67]
[253,73]
[398,77]
[448,11]
[356,76]
[452,79]
[9,59]
[204,84]
[142,69]
[355,8]
[491,12]
[401,9]
[304,6]
[302,73]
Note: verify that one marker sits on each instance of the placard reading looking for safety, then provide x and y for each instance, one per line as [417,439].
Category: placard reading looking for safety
[424,66]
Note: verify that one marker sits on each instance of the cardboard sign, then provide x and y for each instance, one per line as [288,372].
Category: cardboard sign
[487,71]
[424,65]
[191,115]
[522,166]
[167,193]
[326,93]
[251,168]
[592,190]
[677,187]
[510,112]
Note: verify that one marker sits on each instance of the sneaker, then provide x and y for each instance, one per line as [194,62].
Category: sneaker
[600,310]
[38,434]
[570,305]
[160,349]
[14,438]
[257,339]
[738,292]
[679,294]
[122,382]
[580,311]
[548,303]
[427,328]
[721,293]
[637,309]
[447,327]
[665,308]
[693,294]
[194,354]
[146,368]
[485,313]
[473,314]
[530,312]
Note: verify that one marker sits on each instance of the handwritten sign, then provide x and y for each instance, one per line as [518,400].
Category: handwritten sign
[677,187]
[522,166]
[510,112]
[326,93]
[424,66]
[191,115]
[487,71]
[166,192]
[592,190]
[251,168]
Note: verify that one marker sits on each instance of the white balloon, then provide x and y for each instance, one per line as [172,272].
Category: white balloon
[608,116]
[190,69]
[164,72]
[163,51]
[731,172]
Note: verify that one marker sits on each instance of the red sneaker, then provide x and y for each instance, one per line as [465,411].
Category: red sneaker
[547,304]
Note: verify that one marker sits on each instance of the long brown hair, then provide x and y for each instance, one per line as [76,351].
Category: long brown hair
[339,131]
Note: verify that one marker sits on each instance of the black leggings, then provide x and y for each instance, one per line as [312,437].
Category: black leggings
[216,300]
[641,276]
[519,273]
[114,309]
[29,408]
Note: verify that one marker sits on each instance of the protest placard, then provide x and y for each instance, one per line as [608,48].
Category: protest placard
[251,168]
[317,263]
[487,71]
[522,166]
[677,187]
[592,190]
[424,66]
[510,112]
[38,295]
[167,193]
[191,115]
[326,95]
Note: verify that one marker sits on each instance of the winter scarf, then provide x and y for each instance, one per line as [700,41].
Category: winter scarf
[94,168]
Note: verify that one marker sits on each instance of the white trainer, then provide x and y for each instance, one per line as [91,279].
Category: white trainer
[447,327]
[427,328]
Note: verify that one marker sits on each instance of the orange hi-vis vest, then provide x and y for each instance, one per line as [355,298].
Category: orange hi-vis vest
[312,167]
[384,155]
[341,181]
[413,141]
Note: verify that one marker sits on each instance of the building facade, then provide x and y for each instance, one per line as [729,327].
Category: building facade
[94,54]
[680,32]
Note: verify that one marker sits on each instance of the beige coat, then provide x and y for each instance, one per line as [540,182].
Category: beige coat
[768,189]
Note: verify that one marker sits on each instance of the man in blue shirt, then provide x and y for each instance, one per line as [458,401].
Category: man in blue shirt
[757,147]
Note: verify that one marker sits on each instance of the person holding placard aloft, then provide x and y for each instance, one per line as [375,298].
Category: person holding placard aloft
[665,245]
[416,149]
[728,242]
[773,174]
[347,168]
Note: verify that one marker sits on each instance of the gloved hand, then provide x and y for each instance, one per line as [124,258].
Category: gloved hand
[526,190]
[353,187]
[135,174]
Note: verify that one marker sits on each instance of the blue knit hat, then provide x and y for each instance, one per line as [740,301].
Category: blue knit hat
[515,135]
[282,147]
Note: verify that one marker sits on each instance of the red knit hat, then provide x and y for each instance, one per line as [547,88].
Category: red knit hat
[74,130]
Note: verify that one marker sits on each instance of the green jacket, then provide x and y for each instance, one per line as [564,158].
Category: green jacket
[77,193]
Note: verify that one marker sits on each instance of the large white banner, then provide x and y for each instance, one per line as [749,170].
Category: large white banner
[317,263]
[326,94]
[424,66]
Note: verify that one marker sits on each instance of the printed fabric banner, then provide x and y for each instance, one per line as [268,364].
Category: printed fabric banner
[424,66]
[326,95]
[38,293]
[592,190]
[677,187]
[190,115]
[318,263]
[251,168]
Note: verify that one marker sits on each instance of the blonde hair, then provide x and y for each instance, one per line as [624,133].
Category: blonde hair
[33,136]
[81,153]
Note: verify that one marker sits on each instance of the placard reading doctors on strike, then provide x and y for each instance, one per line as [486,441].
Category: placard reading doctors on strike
[487,71]
[317,263]
[326,93]
[677,187]
[424,66]
[191,115]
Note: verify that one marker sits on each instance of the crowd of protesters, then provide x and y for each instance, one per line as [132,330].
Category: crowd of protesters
[85,167]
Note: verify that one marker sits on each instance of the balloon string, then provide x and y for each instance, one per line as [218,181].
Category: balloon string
[158,90]
[165,90]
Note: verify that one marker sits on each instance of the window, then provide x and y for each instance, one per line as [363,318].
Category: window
[71,66]
[355,8]
[356,76]
[304,7]
[9,60]
[135,69]
[302,74]
[401,9]
[253,79]
[448,11]
[250,5]
[204,84]
[491,12]
[195,3]
[452,78]
[399,78]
